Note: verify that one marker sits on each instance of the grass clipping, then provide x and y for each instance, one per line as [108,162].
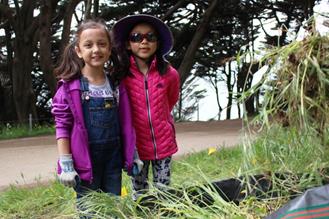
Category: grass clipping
[296,84]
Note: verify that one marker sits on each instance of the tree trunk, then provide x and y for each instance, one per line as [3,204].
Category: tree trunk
[46,64]
[69,10]
[188,60]
[25,28]
[180,106]
[88,4]
[9,110]
[23,93]
[96,8]
[220,109]
[230,91]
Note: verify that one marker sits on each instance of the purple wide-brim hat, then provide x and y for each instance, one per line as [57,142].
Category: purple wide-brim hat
[123,27]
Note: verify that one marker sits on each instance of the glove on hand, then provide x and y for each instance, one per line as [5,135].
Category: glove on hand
[137,164]
[137,167]
[68,177]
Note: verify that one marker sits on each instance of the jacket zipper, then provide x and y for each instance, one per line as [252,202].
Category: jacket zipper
[149,116]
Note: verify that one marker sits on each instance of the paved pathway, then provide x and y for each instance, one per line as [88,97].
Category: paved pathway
[29,160]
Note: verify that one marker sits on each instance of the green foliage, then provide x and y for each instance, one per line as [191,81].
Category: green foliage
[51,201]
[9,131]
[285,149]
[221,164]
[301,157]
[296,86]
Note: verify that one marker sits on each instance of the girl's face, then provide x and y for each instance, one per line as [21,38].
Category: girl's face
[94,47]
[143,41]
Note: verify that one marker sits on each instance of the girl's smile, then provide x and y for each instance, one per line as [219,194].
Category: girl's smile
[145,50]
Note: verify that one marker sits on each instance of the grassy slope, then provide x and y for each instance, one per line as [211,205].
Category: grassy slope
[281,150]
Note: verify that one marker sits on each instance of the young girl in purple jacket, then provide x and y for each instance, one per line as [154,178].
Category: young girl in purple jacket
[153,89]
[94,130]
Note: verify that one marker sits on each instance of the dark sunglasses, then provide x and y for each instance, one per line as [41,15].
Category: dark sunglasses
[139,37]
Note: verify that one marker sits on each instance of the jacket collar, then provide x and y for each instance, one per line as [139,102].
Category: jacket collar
[71,85]
[134,67]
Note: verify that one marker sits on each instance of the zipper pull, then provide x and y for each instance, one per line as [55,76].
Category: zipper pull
[146,86]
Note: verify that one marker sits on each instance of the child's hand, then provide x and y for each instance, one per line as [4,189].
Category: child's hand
[137,164]
[68,177]
[137,167]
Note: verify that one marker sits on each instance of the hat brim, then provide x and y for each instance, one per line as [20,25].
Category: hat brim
[123,27]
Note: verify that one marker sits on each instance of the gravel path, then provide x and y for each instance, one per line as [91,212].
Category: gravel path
[26,161]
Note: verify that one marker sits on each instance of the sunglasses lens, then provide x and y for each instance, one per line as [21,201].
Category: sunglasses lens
[151,37]
[138,37]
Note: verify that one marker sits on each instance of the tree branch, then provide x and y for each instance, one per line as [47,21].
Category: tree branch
[187,62]
[17,7]
[172,10]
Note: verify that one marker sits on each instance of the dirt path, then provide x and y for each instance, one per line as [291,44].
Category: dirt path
[29,160]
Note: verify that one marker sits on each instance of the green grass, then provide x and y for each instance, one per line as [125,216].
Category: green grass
[221,164]
[287,149]
[278,150]
[49,201]
[19,131]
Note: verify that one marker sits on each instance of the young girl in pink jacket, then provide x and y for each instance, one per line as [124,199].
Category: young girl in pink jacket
[153,89]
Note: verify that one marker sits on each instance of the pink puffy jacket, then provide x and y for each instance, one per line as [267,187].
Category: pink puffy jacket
[152,99]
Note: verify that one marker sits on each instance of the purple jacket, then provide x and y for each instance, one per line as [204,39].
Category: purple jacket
[69,123]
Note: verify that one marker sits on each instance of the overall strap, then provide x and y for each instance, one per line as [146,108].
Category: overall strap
[84,84]
[115,88]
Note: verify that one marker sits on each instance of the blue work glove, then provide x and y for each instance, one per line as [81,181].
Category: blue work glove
[137,164]
[68,177]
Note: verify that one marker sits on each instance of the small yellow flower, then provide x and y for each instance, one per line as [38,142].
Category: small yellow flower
[211,150]
[124,191]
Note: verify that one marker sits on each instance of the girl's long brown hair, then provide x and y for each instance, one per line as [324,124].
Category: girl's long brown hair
[71,65]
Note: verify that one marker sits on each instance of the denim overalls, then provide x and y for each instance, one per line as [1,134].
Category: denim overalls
[102,122]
